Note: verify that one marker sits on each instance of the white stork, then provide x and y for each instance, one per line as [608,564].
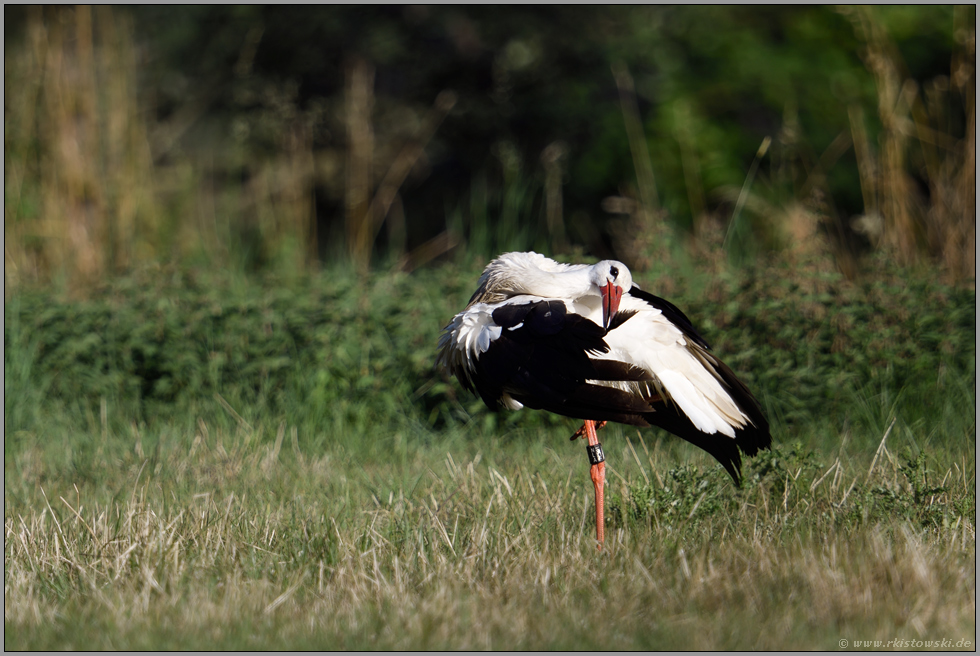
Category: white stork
[584,341]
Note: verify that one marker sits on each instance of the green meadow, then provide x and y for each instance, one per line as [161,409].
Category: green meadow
[225,464]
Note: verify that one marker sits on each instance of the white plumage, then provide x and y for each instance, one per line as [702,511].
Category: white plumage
[583,341]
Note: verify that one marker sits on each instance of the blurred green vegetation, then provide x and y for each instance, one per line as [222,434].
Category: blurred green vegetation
[357,354]
[282,138]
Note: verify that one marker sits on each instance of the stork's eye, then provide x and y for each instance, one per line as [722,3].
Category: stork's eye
[614,271]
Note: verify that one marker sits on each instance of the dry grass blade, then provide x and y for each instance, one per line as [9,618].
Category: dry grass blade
[281,599]
[881,447]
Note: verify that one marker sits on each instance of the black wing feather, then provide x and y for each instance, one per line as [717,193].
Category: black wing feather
[542,360]
[748,440]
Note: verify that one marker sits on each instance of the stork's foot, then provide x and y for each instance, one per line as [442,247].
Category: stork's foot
[582,430]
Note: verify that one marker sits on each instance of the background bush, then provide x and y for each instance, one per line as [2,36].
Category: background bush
[338,348]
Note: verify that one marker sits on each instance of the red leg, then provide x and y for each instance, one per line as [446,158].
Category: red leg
[598,474]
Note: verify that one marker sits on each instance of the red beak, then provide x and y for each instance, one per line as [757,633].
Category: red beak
[611,296]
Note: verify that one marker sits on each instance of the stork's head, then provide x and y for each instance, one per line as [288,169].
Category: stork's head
[612,279]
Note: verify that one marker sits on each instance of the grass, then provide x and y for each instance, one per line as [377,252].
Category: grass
[240,539]
[353,500]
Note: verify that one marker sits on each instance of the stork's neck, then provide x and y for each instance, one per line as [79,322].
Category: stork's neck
[570,283]
[573,283]
[515,274]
